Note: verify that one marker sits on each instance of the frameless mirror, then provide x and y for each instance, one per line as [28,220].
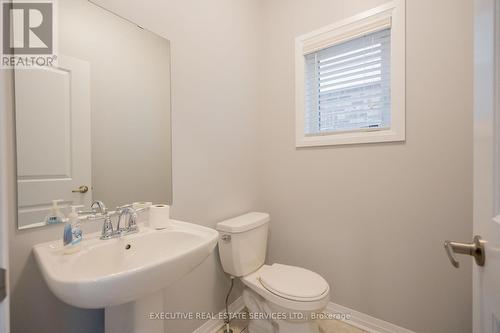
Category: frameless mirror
[97,125]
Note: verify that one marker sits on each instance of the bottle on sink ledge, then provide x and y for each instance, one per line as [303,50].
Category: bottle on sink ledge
[55,216]
[72,236]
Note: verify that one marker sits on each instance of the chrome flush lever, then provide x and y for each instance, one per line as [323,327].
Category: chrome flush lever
[475,249]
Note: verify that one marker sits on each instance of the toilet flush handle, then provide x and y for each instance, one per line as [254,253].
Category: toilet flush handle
[226,238]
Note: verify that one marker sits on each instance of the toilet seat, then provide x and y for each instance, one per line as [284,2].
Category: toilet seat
[293,283]
[294,304]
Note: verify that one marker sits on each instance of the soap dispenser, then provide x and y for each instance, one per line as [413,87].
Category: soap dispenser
[72,231]
[55,216]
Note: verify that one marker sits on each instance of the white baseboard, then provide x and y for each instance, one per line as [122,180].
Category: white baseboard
[212,325]
[364,321]
[357,319]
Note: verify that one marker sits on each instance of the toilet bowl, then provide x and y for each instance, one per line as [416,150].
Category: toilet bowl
[280,298]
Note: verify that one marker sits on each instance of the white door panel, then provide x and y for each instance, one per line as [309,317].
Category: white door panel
[53,137]
[486,279]
[43,120]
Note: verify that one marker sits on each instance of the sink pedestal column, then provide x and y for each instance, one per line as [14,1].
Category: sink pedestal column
[134,317]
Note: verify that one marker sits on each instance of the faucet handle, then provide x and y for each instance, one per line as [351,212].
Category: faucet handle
[132,222]
[107,228]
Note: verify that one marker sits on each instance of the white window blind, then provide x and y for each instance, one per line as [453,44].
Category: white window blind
[347,86]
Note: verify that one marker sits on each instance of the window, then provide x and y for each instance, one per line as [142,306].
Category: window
[348,85]
[350,80]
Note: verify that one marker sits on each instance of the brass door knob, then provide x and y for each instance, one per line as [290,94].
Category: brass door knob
[81,189]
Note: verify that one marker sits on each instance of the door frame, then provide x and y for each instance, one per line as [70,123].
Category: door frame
[486,159]
[7,184]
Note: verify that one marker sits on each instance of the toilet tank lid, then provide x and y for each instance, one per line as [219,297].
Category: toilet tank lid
[243,223]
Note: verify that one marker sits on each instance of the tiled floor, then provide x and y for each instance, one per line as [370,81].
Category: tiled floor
[337,326]
[237,327]
[325,326]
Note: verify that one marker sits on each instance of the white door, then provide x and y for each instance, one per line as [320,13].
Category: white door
[486,279]
[53,138]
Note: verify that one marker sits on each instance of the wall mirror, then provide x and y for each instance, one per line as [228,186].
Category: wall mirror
[97,125]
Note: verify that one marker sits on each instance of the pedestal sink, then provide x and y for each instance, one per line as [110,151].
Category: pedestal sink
[126,274]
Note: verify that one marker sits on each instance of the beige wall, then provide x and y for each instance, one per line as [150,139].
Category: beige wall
[372,218]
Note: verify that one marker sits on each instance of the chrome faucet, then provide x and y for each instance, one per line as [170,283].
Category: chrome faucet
[107,231]
[100,212]
[131,225]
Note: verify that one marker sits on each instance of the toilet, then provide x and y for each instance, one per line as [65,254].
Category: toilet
[279,298]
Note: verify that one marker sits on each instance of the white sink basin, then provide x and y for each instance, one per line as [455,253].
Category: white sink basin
[106,273]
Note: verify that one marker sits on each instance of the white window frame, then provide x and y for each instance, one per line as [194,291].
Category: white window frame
[392,14]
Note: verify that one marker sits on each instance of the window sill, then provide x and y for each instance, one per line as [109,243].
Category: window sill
[349,138]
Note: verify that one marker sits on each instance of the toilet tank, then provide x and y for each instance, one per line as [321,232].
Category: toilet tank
[243,243]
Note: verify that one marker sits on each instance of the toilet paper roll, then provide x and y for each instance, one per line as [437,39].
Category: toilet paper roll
[159,216]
